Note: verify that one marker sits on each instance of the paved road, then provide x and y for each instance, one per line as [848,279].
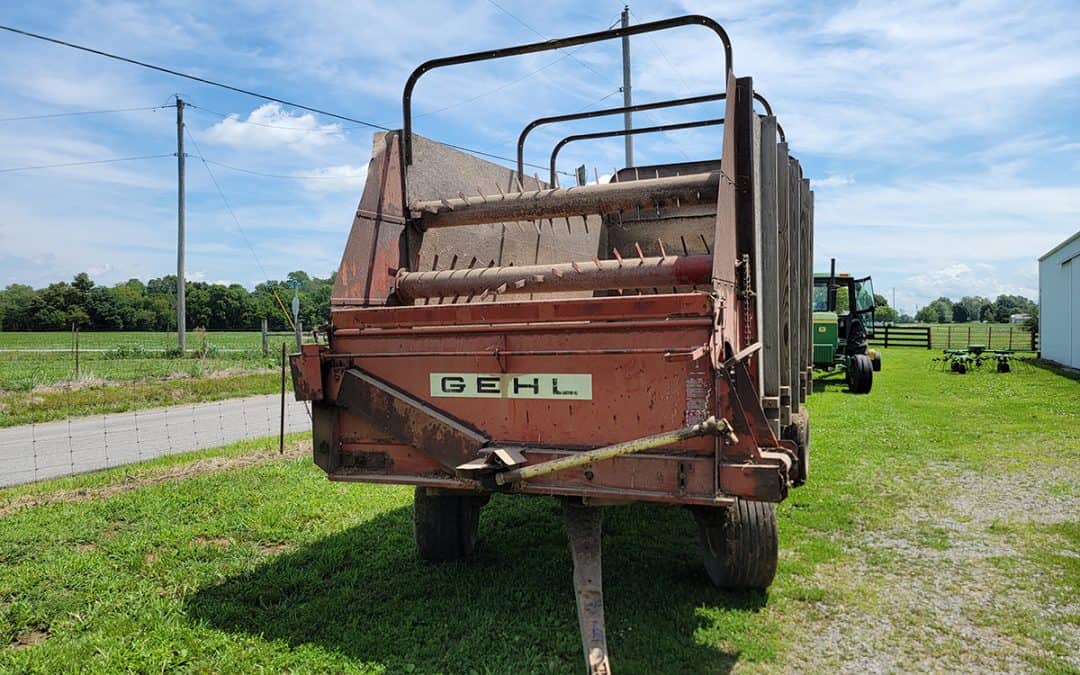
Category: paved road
[38,451]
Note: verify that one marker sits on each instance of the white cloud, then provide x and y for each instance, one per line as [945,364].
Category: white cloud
[268,126]
[344,178]
[832,180]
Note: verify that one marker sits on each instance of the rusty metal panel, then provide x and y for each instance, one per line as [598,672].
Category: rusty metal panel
[581,309]
[373,251]
[408,419]
[307,373]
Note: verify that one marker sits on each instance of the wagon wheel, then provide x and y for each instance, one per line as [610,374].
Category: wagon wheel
[739,544]
[445,524]
[799,432]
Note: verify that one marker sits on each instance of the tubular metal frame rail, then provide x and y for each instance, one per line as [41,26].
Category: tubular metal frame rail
[639,107]
[449,397]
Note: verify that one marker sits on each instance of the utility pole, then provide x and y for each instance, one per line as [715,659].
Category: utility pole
[181,313]
[628,117]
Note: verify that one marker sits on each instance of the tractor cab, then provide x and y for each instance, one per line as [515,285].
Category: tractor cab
[843,325]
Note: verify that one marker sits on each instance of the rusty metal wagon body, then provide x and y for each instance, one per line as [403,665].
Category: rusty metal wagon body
[644,339]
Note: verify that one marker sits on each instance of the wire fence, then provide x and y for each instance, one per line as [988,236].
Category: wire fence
[43,375]
[35,452]
[29,360]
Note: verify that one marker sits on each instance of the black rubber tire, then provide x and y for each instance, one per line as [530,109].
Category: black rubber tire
[876,362]
[445,525]
[860,374]
[1003,367]
[739,544]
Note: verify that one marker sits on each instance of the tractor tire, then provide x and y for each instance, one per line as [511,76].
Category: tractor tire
[1003,367]
[739,544]
[445,525]
[799,432]
[860,374]
[876,362]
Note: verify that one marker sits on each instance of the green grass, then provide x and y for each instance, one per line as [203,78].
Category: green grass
[46,404]
[270,567]
[134,372]
[26,363]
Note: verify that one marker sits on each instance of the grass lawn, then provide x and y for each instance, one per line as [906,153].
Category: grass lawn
[939,531]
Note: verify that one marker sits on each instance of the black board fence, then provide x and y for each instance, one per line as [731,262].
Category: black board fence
[957,336]
[902,336]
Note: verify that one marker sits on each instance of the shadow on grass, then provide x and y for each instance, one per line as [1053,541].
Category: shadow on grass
[830,381]
[365,593]
[1055,368]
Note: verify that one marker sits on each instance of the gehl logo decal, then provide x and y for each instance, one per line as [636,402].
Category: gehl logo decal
[512,385]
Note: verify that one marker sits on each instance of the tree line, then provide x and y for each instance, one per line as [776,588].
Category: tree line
[976,308]
[151,306]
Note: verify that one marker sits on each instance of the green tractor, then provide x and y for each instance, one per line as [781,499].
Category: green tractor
[843,325]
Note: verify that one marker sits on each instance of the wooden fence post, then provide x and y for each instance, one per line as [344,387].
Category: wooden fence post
[265,338]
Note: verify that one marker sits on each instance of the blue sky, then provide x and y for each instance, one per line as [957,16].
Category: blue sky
[942,139]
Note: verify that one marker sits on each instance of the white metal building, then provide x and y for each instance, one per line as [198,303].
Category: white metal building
[1059,303]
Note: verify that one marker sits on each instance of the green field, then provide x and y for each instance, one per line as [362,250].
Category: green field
[120,371]
[939,532]
[29,360]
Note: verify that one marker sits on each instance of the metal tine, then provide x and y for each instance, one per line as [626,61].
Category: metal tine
[596,174]
[685,250]
[536,224]
[480,192]
[704,243]
[568,230]
[472,263]
[435,263]
[556,273]
[663,251]
[446,203]
[574,266]
[614,176]
[502,194]
[536,177]
[521,186]
[617,256]
[417,265]
[641,255]
[464,198]
[585,222]
[596,261]
[521,228]
[520,283]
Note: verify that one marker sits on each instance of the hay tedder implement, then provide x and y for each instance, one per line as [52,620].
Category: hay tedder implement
[641,340]
[963,360]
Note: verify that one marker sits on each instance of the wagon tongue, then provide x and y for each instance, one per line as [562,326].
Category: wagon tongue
[583,529]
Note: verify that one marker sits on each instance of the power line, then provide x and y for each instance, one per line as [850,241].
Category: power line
[228,207]
[246,92]
[82,112]
[236,118]
[86,163]
[187,76]
[273,175]
[519,20]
